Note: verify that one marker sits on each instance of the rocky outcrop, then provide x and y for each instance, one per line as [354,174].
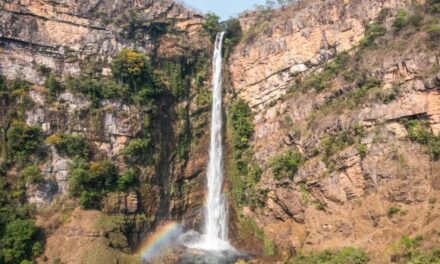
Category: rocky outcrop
[349,198]
[296,40]
[91,237]
[120,203]
[61,35]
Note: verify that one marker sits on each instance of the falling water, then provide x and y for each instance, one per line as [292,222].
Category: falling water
[216,224]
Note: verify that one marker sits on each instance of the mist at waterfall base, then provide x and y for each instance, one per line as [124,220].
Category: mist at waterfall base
[211,247]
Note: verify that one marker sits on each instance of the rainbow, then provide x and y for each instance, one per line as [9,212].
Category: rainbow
[164,236]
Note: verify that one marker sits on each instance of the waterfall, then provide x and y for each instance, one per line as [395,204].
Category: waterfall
[216,216]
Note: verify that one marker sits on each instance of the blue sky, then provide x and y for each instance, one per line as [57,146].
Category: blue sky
[223,8]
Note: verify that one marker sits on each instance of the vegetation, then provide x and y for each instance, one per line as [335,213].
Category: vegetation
[346,255]
[212,25]
[320,81]
[20,241]
[32,175]
[332,144]
[406,250]
[91,181]
[21,149]
[286,165]
[373,31]
[134,69]
[250,231]
[434,32]
[231,27]
[401,20]
[133,80]
[96,88]
[23,143]
[138,151]
[70,145]
[53,86]
[419,131]
[244,172]
[393,210]
[128,180]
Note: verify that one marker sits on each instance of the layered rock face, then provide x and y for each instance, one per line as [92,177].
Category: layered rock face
[68,38]
[62,34]
[296,40]
[367,194]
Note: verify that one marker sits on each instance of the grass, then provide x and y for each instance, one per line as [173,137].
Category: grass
[346,255]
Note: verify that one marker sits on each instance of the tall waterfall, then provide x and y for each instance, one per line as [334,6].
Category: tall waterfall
[216,218]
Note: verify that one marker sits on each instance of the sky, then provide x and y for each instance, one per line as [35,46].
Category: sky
[223,8]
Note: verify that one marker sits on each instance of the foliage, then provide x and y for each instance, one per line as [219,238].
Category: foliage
[393,210]
[332,144]
[23,142]
[138,151]
[346,255]
[233,35]
[91,181]
[32,174]
[231,27]
[373,31]
[241,119]
[134,69]
[434,6]
[53,86]
[286,165]
[128,180]
[212,25]
[322,80]
[406,247]
[19,241]
[70,145]
[244,172]
[96,88]
[434,32]
[401,20]
[407,250]
[419,131]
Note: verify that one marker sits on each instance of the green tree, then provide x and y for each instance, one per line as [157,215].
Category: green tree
[138,151]
[128,180]
[23,142]
[19,239]
[286,165]
[89,182]
[212,25]
[241,115]
[70,145]
[32,174]
[134,69]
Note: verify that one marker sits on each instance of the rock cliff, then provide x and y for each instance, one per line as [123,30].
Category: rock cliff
[74,40]
[332,137]
[296,40]
[363,180]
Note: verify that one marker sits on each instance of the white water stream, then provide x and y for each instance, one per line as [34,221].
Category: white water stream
[215,235]
[216,223]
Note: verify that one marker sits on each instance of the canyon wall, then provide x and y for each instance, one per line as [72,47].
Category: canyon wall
[80,38]
[343,197]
